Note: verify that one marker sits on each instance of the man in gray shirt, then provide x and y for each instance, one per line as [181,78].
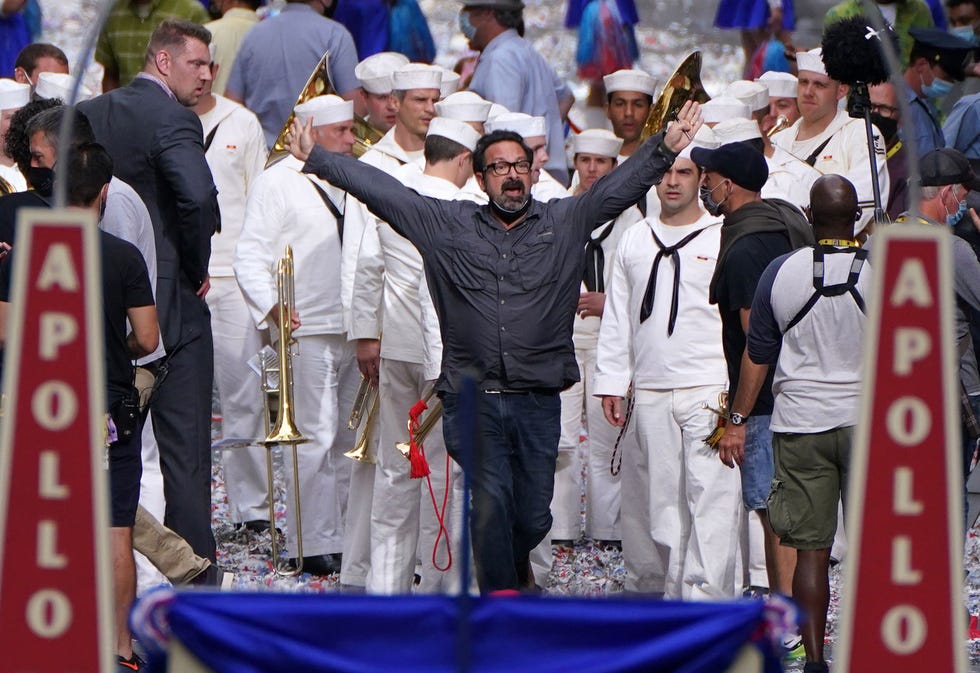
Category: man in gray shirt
[278,55]
[504,279]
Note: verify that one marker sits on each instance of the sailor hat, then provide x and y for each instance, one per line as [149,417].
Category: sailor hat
[323,110]
[597,141]
[454,129]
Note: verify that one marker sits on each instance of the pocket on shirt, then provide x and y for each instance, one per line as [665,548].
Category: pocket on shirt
[469,270]
[537,264]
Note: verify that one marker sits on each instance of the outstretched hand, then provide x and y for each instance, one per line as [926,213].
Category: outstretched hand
[681,132]
[300,140]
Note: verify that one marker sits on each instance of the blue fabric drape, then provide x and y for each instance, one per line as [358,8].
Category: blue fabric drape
[252,633]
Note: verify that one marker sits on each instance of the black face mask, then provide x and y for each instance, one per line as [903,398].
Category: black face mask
[41,180]
[887,125]
[509,216]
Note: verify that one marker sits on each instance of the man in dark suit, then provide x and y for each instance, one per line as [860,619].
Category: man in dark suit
[156,144]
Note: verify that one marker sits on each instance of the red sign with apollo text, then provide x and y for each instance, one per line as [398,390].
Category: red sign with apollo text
[55,591]
[902,608]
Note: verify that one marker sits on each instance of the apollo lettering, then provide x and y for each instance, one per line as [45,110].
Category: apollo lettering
[54,407]
[908,422]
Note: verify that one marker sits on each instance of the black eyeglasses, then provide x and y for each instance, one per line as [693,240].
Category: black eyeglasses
[886,111]
[523,167]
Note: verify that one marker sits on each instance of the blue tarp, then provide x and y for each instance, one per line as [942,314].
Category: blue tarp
[336,633]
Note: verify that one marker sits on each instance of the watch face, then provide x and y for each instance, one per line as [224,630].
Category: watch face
[737,419]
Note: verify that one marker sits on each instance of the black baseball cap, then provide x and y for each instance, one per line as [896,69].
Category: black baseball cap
[944,49]
[947,166]
[739,162]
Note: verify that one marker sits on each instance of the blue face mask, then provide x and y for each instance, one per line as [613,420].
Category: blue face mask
[938,89]
[964,33]
[954,218]
[465,26]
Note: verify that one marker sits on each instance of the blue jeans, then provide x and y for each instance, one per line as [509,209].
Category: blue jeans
[757,466]
[512,476]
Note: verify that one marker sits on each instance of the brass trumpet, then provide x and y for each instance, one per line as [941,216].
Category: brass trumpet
[319,84]
[366,398]
[425,427]
[683,85]
[284,431]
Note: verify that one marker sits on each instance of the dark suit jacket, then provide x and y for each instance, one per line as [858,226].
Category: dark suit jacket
[157,146]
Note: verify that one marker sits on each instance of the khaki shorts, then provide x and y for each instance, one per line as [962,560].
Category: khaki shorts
[809,480]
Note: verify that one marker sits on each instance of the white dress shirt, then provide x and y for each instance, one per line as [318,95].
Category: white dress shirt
[236,157]
[285,208]
[643,352]
[845,154]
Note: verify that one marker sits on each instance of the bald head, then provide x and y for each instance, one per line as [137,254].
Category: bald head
[833,207]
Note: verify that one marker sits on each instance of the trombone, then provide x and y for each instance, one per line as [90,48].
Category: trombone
[366,399]
[319,84]
[284,431]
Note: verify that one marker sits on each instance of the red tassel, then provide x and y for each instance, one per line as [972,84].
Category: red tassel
[416,456]
[420,466]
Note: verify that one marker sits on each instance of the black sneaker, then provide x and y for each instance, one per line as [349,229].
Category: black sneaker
[816,667]
[254,526]
[213,576]
[134,663]
[322,565]
[753,591]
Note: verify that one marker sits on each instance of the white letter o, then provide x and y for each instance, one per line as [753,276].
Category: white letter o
[915,628]
[908,420]
[54,405]
[49,613]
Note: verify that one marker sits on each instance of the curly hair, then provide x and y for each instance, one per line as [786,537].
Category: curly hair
[17,142]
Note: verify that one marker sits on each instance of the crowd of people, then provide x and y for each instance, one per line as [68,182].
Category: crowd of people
[693,294]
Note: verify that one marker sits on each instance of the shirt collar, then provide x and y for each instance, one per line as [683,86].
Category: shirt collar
[506,36]
[153,4]
[298,7]
[159,82]
[241,13]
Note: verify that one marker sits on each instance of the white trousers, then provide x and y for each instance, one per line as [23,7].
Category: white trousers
[645,570]
[695,501]
[403,520]
[325,379]
[236,339]
[357,525]
[602,499]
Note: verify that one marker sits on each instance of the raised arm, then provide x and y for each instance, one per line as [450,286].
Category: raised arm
[630,182]
[415,217]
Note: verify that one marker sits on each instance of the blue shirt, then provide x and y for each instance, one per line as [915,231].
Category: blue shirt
[277,57]
[925,121]
[962,129]
[510,72]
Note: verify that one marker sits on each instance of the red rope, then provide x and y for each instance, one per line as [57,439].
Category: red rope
[416,456]
[420,468]
[441,518]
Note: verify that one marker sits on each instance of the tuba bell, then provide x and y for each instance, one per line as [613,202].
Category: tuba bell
[683,85]
[319,84]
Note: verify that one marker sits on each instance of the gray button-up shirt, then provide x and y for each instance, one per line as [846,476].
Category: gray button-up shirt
[506,299]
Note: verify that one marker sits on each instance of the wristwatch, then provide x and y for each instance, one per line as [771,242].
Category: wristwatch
[737,418]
